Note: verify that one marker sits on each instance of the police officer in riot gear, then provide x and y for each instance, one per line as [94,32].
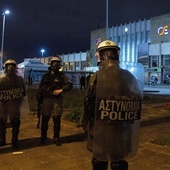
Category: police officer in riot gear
[12,91]
[51,87]
[107,85]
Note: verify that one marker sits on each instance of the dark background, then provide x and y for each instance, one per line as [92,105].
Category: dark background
[64,26]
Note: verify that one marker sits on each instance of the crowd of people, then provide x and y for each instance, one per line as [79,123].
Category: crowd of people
[105,85]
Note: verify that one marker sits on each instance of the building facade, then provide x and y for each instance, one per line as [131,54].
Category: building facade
[146,41]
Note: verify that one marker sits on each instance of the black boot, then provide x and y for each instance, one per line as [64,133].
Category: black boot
[2,133]
[57,141]
[57,122]
[99,165]
[15,131]
[119,165]
[44,128]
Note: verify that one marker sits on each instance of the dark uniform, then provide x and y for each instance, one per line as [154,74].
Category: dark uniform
[12,91]
[82,82]
[51,87]
[106,135]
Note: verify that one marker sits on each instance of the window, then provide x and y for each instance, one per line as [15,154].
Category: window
[71,66]
[83,65]
[65,66]
[154,61]
[167,60]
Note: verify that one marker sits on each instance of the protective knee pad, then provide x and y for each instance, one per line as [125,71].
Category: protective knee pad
[99,165]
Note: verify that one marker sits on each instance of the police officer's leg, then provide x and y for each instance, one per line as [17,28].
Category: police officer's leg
[15,123]
[56,115]
[2,133]
[44,128]
[57,127]
[99,165]
[119,165]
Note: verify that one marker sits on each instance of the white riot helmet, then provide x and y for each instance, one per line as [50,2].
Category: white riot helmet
[55,63]
[10,62]
[108,45]
[55,59]
[10,66]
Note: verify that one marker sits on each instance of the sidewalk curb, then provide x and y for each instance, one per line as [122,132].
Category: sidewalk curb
[158,148]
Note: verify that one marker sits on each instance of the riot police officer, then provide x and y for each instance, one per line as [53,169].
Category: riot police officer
[12,91]
[110,90]
[51,87]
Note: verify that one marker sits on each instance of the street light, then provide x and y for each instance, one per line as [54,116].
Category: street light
[3,30]
[107,33]
[42,51]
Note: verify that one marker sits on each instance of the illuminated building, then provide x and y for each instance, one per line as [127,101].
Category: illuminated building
[144,41]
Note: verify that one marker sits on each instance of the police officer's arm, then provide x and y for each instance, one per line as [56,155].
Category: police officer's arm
[66,86]
[43,87]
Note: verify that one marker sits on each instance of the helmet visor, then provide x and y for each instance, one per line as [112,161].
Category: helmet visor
[108,54]
[55,63]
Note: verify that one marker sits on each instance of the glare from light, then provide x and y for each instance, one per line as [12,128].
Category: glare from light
[126,29]
[7,12]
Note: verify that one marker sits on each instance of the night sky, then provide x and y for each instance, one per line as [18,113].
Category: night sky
[64,26]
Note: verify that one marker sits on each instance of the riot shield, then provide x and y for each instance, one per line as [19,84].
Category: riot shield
[118,110]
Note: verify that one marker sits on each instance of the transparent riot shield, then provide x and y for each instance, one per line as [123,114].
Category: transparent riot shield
[118,110]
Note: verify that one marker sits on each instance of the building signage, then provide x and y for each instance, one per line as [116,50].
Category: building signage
[163,30]
[153,70]
[93,69]
[98,41]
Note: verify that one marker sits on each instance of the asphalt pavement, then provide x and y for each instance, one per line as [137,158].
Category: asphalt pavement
[158,89]
[73,155]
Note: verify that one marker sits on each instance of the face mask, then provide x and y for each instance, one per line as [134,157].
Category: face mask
[109,54]
[10,69]
[55,66]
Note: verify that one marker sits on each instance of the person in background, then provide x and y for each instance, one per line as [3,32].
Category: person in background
[51,87]
[82,82]
[30,77]
[12,92]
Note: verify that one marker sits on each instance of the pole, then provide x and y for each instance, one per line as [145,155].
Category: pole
[2,45]
[42,51]
[107,34]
